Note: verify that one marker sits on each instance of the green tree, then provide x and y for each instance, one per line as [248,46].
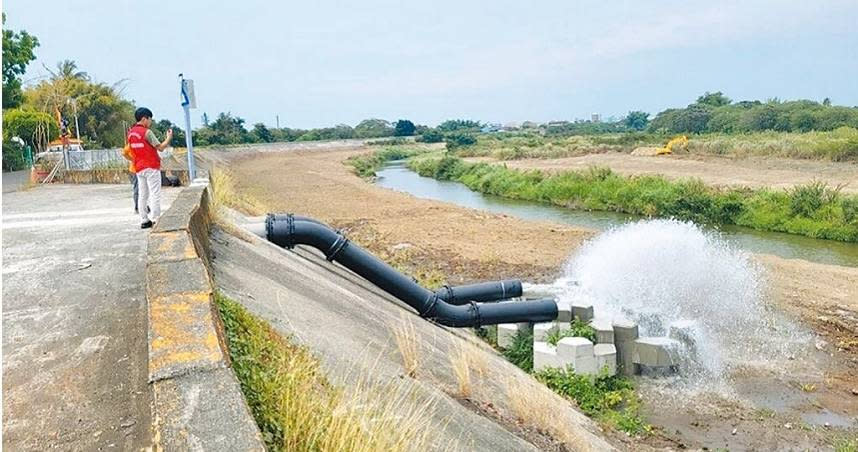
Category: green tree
[261,133]
[465,125]
[228,129]
[373,128]
[67,70]
[716,99]
[34,127]
[636,120]
[103,115]
[160,128]
[404,128]
[17,54]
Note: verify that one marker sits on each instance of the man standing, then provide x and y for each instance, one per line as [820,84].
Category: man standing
[145,146]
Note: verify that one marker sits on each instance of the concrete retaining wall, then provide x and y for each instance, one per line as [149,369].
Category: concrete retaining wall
[198,404]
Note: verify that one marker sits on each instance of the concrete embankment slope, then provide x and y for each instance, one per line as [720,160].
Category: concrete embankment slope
[348,323]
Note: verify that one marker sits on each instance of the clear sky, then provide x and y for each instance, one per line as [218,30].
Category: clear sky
[319,63]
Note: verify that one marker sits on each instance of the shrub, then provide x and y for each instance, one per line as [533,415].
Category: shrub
[458,139]
[431,136]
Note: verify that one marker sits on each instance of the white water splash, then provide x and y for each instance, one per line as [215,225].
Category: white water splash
[667,274]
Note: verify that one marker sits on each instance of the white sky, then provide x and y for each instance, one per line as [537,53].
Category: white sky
[321,63]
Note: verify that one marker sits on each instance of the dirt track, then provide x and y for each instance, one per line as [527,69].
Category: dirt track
[429,238]
[751,172]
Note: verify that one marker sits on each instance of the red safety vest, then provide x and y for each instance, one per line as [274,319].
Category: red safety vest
[145,155]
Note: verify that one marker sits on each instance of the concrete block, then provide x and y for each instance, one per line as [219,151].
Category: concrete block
[582,312]
[506,333]
[564,314]
[574,347]
[204,411]
[655,351]
[606,358]
[542,330]
[604,331]
[577,353]
[625,334]
[544,356]
[684,332]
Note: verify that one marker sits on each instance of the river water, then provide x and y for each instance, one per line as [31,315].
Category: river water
[395,175]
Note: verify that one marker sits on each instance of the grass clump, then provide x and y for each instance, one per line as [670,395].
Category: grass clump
[607,398]
[520,352]
[577,329]
[814,210]
[225,193]
[366,165]
[298,409]
[409,346]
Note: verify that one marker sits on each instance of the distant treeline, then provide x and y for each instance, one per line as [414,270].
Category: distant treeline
[716,113]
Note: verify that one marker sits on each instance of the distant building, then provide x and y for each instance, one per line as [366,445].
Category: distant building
[491,128]
[512,125]
[595,117]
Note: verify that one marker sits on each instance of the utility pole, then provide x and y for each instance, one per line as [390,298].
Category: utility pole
[278,120]
[189,101]
[76,125]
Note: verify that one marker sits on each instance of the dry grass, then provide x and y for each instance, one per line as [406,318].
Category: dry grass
[539,408]
[226,194]
[461,363]
[409,347]
[298,409]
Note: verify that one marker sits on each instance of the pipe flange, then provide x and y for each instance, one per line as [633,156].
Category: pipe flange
[433,300]
[478,321]
[341,243]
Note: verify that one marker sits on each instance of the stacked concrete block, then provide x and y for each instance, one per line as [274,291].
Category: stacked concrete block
[582,312]
[656,352]
[506,333]
[625,334]
[606,358]
[564,314]
[542,330]
[577,352]
[544,356]
[604,331]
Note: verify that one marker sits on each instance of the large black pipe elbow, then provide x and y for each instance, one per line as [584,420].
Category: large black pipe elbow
[287,232]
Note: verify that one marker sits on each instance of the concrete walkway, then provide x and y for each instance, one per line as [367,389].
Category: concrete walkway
[74,320]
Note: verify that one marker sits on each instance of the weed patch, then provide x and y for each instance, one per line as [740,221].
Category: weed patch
[577,329]
[298,409]
[608,398]
[520,352]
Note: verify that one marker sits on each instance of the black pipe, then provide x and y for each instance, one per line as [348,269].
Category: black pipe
[487,291]
[286,232]
[458,295]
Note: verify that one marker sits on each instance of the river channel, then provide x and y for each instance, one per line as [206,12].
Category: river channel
[395,175]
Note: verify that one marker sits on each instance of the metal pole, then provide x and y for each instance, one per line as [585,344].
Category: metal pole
[192,173]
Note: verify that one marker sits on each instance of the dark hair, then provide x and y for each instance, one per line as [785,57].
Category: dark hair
[142,112]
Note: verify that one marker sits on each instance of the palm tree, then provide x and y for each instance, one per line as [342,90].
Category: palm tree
[67,70]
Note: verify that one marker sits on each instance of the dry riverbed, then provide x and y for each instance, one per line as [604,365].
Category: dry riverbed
[438,242]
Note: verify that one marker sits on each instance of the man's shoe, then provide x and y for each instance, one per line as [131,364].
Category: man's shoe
[146,225]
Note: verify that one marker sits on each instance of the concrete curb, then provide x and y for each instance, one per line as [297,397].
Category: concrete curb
[197,401]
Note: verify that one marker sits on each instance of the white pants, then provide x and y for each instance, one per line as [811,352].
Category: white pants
[149,185]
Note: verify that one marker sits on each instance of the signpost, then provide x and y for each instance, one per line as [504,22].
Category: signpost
[189,101]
